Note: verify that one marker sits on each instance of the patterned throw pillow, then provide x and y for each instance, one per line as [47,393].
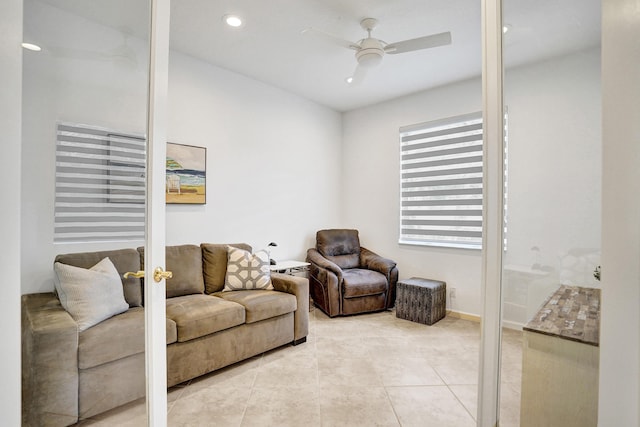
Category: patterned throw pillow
[246,271]
[90,295]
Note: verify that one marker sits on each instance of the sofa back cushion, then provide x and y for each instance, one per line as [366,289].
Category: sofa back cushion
[214,259]
[339,246]
[185,262]
[123,259]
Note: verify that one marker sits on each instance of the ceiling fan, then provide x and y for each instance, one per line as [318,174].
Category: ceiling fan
[369,51]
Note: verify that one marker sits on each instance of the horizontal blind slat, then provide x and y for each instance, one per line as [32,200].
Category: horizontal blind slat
[100,184]
[441,183]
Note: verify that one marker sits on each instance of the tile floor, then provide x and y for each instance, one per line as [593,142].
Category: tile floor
[366,370]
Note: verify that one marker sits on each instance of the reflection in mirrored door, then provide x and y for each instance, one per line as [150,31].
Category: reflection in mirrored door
[552,251]
[85,99]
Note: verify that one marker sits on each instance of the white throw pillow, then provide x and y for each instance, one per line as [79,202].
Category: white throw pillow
[90,296]
[246,271]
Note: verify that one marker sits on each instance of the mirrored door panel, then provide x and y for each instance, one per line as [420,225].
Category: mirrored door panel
[85,91]
[552,221]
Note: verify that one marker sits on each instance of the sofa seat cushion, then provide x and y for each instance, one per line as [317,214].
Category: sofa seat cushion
[115,338]
[200,315]
[261,304]
[361,283]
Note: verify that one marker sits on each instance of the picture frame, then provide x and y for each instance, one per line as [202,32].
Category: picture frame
[186,174]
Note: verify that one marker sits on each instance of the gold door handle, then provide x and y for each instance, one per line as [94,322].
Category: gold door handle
[138,274]
[159,274]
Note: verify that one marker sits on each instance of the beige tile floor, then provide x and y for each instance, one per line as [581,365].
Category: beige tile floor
[366,370]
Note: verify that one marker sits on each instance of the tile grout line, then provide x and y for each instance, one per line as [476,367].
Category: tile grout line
[252,388]
[473,417]
[393,408]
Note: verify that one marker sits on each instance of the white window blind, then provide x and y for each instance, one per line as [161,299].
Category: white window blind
[441,182]
[100,185]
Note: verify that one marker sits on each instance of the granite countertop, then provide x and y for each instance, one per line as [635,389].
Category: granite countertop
[572,313]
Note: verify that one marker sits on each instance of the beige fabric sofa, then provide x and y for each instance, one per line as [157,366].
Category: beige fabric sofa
[69,375]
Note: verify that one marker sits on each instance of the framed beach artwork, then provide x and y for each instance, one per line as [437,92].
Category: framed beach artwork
[186,174]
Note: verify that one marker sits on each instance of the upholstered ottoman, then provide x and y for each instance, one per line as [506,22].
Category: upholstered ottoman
[421,300]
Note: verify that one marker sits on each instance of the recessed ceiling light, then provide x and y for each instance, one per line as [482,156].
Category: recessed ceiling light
[348,80]
[506,28]
[232,20]
[31,46]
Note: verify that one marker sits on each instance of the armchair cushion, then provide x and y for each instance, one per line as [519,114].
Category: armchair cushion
[342,247]
[359,283]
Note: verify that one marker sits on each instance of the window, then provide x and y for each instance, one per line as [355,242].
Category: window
[100,185]
[441,182]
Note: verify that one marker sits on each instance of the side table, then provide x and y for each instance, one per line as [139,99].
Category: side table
[291,267]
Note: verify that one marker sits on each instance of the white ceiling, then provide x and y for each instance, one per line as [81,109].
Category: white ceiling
[271,48]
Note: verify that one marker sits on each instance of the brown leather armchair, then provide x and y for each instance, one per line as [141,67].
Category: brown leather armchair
[345,278]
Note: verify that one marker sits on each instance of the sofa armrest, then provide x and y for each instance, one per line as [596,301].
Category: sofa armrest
[298,286]
[49,362]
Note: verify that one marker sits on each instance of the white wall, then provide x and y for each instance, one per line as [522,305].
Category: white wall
[619,390]
[273,160]
[371,186]
[10,117]
[554,189]
[271,174]
[554,152]
[279,167]
[72,86]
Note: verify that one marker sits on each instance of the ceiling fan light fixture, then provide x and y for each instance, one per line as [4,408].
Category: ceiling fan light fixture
[233,21]
[369,58]
[31,46]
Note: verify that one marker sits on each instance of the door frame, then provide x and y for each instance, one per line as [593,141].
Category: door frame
[155,292]
[492,214]
[11,23]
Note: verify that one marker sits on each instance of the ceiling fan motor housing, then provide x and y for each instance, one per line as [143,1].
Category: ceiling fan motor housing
[370,53]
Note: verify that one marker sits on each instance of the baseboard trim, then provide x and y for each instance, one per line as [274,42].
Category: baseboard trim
[512,325]
[463,315]
[474,318]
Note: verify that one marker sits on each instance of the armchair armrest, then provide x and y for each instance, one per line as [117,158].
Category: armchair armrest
[49,362]
[373,261]
[298,286]
[315,257]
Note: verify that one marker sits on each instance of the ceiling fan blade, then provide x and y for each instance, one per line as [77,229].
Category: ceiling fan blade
[425,42]
[358,76]
[331,38]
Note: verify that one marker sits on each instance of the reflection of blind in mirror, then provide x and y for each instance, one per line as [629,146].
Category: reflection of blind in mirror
[100,185]
[441,182]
